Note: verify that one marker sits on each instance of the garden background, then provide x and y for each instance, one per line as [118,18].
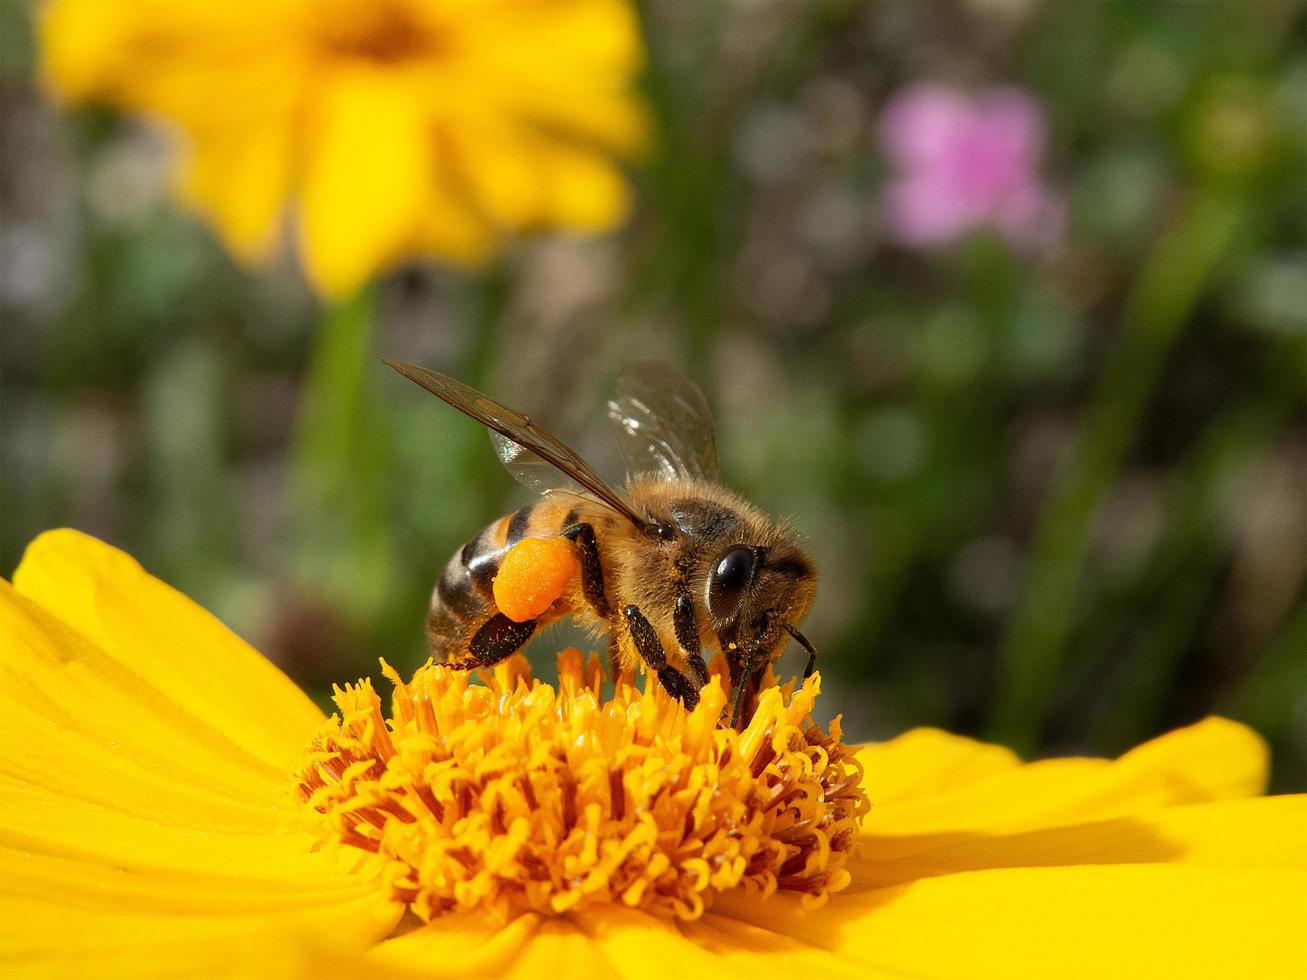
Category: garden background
[1052,465]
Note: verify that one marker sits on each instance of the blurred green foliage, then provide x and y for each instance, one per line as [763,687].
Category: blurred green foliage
[1059,503]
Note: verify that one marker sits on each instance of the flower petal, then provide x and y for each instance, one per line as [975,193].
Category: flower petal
[642,947]
[755,951]
[927,761]
[368,193]
[458,944]
[513,54]
[528,946]
[920,211]
[150,641]
[560,949]
[269,876]
[1213,760]
[1125,920]
[137,835]
[919,126]
[1258,833]
[1145,892]
[81,725]
[609,942]
[368,164]
[84,45]
[583,190]
[565,185]
[43,938]
[239,166]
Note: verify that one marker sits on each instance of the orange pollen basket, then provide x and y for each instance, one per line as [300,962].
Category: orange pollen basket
[516,796]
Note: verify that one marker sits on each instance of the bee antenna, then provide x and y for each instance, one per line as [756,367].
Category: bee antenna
[803,642]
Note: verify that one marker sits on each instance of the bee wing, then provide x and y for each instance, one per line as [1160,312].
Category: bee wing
[663,423]
[529,469]
[518,429]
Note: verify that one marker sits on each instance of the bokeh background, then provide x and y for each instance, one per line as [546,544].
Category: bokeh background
[1056,480]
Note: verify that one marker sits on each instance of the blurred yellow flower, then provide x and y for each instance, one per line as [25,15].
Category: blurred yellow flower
[172,805]
[395,127]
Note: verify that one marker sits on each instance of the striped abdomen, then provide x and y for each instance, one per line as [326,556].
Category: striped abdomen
[463,599]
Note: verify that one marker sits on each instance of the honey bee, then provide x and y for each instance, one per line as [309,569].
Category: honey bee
[672,566]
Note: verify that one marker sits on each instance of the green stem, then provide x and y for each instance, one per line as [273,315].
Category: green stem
[1169,286]
[1192,550]
[483,354]
[340,461]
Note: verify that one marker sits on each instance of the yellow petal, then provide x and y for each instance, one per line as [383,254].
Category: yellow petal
[926,761]
[616,942]
[170,60]
[1213,760]
[150,641]
[642,947]
[601,35]
[288,882]
[82,725]
[457,944]
[526,180]
[41,938]
[159,845]
[134,835]
[368,191]
[1259,833]
[608,119]
[582,189]
[757,952]
[487,155]
[84,46]
[476,946]
[1118,921]
[514,54]
[239,158]
[165,57]
[1143,894]
[452,229]
[375,152]
[559,949]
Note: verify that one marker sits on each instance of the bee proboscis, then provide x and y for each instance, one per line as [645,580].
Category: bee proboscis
[671,566]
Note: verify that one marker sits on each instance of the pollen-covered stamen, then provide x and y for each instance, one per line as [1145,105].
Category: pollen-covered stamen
[515,796]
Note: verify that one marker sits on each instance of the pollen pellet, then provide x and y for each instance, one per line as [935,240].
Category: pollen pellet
[533,575]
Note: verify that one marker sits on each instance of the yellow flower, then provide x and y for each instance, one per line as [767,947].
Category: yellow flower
[396,127]
[171,804]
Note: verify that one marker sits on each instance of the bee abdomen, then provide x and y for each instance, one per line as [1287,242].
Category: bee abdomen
[463,597]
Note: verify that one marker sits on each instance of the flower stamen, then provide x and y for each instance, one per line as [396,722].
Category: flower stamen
[517,796]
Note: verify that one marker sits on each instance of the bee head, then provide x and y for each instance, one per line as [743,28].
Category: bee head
[757,594]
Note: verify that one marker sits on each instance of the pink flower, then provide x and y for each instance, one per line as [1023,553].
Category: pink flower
[968,163]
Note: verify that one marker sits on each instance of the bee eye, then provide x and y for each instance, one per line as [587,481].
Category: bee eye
[728,580]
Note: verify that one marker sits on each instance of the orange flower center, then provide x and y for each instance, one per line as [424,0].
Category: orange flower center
[517,796]
[382,31]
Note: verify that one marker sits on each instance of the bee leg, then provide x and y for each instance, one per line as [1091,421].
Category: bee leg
[812,651]
[592,572]
[742,694]
[499,637]
[650,649]
[751,688]
[687,635]
[592,586]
